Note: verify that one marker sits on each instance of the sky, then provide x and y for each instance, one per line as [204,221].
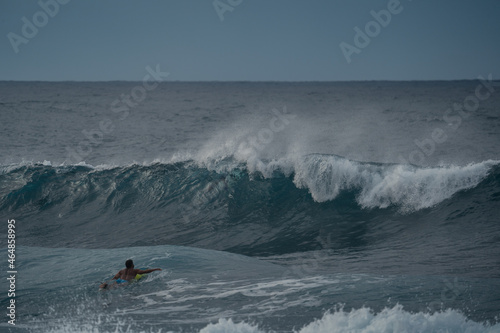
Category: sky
[249,40]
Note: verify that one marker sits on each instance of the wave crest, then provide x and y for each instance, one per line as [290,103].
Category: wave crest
[325,177]
[187,203]
[382,185]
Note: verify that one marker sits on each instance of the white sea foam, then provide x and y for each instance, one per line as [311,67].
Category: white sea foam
[365,320]
[228,326]
[377,185]
[409,187]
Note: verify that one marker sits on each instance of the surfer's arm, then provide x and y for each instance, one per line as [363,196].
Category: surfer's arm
[148,270]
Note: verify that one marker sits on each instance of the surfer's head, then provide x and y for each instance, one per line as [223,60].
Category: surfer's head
[129,263]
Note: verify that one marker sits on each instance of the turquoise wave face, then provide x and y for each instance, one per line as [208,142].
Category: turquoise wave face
[319,202]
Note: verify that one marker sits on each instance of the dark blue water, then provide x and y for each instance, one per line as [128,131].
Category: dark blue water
[307,207]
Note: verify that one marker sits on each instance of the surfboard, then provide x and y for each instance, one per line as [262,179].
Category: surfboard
[140,276]
[106,285]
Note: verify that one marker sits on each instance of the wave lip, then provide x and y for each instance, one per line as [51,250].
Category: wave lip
[381,185]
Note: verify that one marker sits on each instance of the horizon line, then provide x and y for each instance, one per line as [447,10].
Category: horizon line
[242,81]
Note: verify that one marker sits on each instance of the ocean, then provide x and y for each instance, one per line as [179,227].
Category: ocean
[269,206]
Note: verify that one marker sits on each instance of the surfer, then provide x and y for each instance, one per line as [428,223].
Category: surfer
[128,274]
